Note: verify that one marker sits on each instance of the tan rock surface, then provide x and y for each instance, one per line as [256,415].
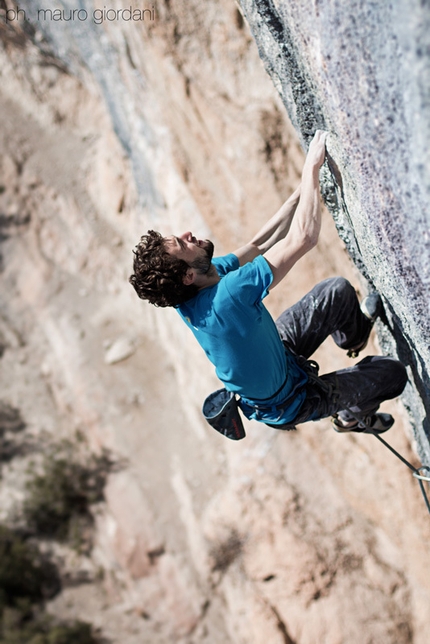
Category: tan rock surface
[303,537]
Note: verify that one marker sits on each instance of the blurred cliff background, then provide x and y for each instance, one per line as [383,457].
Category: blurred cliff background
[134,521]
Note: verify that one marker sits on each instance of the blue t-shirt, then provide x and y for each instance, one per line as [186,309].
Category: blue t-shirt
[240,338]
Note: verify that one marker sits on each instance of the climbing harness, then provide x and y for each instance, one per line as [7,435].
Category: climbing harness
[221,412]
[221,408]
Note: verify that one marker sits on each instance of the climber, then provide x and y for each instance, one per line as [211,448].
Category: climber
[265,364]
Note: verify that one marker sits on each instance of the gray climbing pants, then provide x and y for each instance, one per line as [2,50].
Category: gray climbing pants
[332,308]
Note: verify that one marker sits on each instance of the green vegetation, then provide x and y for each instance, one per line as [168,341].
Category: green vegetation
[11,424]
[10,419]
[61,490]
[19,628]
[27,578]
[58,504]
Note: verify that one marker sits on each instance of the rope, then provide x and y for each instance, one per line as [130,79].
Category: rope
[312,368]
[416,471]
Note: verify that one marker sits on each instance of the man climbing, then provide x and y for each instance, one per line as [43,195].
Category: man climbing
[264,362]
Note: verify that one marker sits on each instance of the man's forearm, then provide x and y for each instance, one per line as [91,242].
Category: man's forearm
[306,224]
[278,226]
[300,217]
[307,221]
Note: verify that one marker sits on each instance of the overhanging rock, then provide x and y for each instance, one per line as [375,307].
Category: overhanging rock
[361,71]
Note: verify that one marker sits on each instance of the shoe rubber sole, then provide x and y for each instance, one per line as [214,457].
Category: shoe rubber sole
[378,424]
[371,307]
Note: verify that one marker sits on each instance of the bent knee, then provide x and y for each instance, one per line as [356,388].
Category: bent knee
[341,288]
[402,375]
[342,284]
[397,373]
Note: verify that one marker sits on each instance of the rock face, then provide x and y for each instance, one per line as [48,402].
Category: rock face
[110,128]
[362,71]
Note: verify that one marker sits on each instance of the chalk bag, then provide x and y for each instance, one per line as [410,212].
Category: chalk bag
[221,412]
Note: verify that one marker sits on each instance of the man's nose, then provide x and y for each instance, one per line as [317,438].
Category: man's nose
[186,236]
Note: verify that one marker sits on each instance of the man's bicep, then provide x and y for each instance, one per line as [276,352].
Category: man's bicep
[282,257]
[247,253]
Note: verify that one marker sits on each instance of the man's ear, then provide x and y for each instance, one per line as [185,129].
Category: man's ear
[189,277]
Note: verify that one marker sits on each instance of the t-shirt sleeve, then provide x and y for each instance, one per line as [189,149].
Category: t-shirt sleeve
[226,264]
[250,283]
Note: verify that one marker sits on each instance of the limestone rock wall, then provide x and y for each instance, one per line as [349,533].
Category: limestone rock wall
[361,70]
[108,130]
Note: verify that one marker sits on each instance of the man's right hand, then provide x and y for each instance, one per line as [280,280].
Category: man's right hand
[316,152]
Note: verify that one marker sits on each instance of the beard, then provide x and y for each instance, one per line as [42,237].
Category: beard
[203,264]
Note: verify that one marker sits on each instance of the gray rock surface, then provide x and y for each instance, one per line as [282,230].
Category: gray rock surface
[361,70]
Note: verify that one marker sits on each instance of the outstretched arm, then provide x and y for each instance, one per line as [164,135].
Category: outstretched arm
[274,230]
[305,228]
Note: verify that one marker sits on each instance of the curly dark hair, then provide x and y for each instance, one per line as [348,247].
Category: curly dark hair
[158,276]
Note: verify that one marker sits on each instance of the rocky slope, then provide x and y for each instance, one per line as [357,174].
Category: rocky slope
[110,129]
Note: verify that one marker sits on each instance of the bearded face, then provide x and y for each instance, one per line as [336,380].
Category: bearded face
[202,263]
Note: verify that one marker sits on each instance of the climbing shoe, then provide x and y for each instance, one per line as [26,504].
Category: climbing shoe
[371,307]
[377,424]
